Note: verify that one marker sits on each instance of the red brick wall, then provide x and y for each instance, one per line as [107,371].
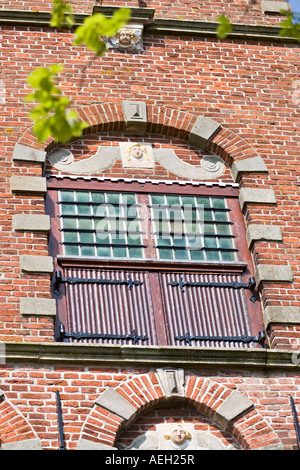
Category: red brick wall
[245,85]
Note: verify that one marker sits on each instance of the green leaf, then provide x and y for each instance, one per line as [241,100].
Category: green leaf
[51,115]
[61,14]
[288,27]
[96,26]
[224,28]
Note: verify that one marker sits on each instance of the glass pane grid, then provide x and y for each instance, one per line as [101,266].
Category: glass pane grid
[100,224]
[192,228]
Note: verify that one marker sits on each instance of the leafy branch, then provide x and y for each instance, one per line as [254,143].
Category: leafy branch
[52,116]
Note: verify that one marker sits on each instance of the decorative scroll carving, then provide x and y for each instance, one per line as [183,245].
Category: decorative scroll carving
[137,155]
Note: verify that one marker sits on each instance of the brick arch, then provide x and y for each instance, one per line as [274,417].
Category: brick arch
[143,393]
[14,428]
[109,117]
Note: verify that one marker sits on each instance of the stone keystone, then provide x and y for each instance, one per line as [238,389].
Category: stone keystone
[204,129]
[234,405]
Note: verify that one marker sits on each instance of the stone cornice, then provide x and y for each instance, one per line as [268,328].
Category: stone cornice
[152,24]
[156,356]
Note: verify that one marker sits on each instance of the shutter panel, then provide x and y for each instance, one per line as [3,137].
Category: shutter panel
[109,308]
[205,311]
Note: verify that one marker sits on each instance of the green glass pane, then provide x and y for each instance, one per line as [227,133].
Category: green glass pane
[221,216]
[195,243]
[68,209]
[85,224]
[157,199]
[69,223]
[218,203]
[83,209]
[172,200]
[203,201]
[212,256]
[102,238]
[119,252]
[228,256]
[71,250]
[225,243]
[209,228]
[223,229]
[192,228]
[103,251]
[165,254]
[181,254]
[82,196]
[119,240]
[101,225]
[129,199]
[98,197]
[197,255]
[113,198]
[164,241]
[188,201]
[87,251]
[86,237]
[70,237]
[161,213]
[134,239]
[135,252]
[131,212]
[208,216]
[210,242]
[67,196]
[179,241]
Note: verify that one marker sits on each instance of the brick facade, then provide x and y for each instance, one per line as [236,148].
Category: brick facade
[244,89]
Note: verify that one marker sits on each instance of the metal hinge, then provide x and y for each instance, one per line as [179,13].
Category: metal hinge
[234,285]
[77,280]
[260,338]
[82,335]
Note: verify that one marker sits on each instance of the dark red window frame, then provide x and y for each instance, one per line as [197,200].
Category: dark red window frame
[155,274]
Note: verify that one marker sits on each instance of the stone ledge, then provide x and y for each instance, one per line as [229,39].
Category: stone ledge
[36,264]
[273,273]
[25,154]
[256,196]
[254,165]
[28,184]
[263,233]
[287,315]
[270,6]
[111,400]
[37,306]
[157,26]
[31,223]
[152,356]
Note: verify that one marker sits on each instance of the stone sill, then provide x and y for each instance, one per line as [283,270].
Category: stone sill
[153,356]
[161,26]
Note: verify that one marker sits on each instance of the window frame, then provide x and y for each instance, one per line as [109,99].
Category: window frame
[242,266]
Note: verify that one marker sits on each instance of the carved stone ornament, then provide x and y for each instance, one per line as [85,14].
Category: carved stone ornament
[172,381]
[176,436]
[128,38]
[136,155]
